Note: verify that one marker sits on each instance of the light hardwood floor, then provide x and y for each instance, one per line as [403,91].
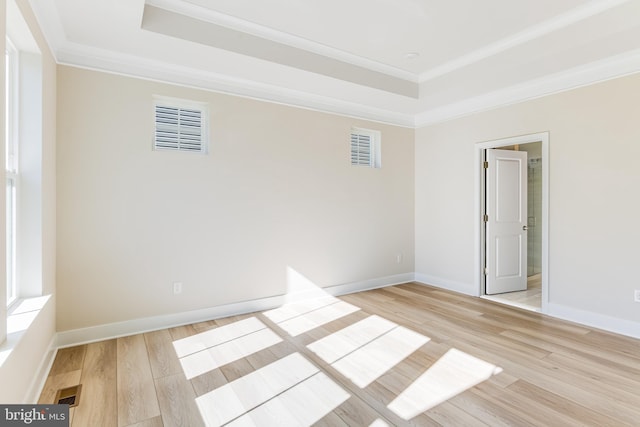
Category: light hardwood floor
[403,355]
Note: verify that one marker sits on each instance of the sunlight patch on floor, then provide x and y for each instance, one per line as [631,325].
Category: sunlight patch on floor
[299,308]
[367,349]
[294,391]
[332,309]
[349,339]
[207,360]
[371,361]
[246,393]
[455,372]
[379,423]
[217,336]
[302,405]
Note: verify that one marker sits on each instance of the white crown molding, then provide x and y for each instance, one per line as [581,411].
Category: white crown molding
[561,21]
[78,55]
[598,71]
[194,10]
[135,66]
[48,18]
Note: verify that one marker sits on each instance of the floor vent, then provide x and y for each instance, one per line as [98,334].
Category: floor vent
[69,396]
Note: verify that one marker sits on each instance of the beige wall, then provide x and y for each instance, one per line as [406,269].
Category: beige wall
[594,207]
[277,191]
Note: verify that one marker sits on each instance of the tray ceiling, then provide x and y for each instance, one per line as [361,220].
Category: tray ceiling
[407,62]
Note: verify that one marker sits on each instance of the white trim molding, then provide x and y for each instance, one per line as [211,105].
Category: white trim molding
[147,324]
[594,320]
[134,66]
[414,115]
[556,23]
[367,285]
[450,285]
[136,326]
[585,75]
[41,375]
[198,9]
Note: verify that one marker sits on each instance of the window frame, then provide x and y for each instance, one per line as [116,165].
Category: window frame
[11,169]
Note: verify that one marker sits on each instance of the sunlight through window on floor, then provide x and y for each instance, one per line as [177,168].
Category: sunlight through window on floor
[346,340]
[246,393]
[310,314]
[299,308]
[290,391]
[455,372]
[302,405]
[367,349]
[217,336]
[211,358]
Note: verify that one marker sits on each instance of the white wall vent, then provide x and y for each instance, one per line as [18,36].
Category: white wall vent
[365,148]
[180,125]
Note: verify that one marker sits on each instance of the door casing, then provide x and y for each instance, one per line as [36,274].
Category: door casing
[479,241]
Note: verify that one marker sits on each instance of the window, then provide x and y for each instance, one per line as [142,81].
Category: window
[365,148]
[11,165]
[180,125]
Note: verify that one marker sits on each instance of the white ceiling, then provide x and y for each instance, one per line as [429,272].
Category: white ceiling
[350,56]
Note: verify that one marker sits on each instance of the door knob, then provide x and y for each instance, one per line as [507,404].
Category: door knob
[525,228]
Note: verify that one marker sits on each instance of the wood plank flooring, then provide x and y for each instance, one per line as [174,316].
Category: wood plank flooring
[404,355]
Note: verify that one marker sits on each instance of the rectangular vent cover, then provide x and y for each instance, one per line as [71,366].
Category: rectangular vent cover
[178,129]
[365,147]
[69,396]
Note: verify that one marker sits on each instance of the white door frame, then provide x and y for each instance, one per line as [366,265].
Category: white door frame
[479,148]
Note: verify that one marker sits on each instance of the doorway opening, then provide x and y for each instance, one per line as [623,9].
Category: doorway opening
[533,265]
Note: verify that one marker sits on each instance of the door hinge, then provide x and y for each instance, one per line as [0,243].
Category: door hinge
[485,218]
[485,165]
[486,271]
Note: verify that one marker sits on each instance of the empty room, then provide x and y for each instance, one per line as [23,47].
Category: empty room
[295,213]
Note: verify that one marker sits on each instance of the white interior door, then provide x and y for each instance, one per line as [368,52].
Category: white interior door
[506,221]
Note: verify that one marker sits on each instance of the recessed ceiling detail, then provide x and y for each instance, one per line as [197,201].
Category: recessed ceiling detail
[195,30]
[351,58]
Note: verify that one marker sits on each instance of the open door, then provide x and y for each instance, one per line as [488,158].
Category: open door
[506,221]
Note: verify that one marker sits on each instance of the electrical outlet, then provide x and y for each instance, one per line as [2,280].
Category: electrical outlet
[636,295]
[177,288]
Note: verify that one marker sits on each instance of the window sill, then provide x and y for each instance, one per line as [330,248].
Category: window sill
[21,316]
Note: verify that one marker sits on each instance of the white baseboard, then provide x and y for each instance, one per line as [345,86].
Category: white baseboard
[39,379]
[114,330]
[595,320]
[136,326]
[587,318]
[463,288]
[366,285]
[147,324]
